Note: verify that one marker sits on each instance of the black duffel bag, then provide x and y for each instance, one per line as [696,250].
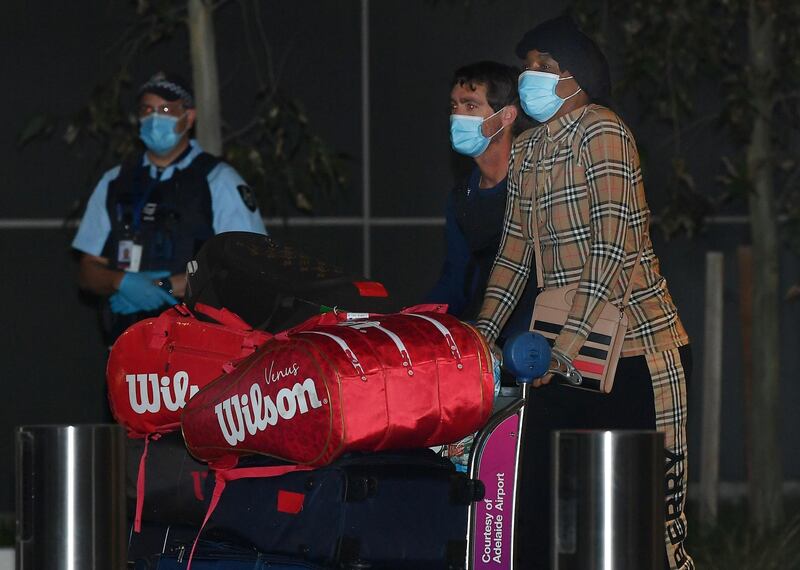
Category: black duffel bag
[174,482]
[274,286]
[167,547]
[388,510]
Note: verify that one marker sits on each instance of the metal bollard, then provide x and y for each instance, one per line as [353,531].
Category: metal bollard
[70,497]
[608,506]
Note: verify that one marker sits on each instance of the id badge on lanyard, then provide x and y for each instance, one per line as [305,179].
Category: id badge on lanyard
[129,255]
[129,252]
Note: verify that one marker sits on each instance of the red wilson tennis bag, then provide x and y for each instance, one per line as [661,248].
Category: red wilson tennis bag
[347,382]
[158,364]
[153,369]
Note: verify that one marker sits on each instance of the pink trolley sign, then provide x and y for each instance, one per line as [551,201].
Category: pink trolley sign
[492,527]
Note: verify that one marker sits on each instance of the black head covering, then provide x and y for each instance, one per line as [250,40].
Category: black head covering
[574,51]
[170,87]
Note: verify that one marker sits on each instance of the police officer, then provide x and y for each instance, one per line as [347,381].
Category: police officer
[148,217]
[484,117]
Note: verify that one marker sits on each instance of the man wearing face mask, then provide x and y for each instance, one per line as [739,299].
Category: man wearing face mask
[576,180]
[484,117]
[147,218]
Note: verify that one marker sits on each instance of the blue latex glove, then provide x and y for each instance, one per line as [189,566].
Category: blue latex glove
[138,292]
[121,305]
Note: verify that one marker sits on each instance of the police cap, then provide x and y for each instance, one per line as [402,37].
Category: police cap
[168,86]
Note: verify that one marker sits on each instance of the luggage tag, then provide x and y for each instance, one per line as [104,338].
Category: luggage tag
[356,316]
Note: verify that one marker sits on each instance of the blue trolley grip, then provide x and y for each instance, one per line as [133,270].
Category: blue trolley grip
[527,355]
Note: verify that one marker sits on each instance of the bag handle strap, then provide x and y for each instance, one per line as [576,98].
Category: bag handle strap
[629,288]
[337,316]
[527,183]
[322,319]
[161,324]
[251,339]
[221,477]
[223,316]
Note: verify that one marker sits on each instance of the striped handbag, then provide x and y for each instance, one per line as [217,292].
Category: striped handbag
[597,359]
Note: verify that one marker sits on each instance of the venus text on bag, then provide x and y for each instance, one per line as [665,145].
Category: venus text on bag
[275,375]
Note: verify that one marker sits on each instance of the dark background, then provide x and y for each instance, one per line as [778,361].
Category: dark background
[54,53]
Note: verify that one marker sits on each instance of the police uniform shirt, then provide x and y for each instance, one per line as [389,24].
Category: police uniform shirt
[232,203]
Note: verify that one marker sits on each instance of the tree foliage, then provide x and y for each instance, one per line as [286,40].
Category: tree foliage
[276,151]
[685,63]
[743,56]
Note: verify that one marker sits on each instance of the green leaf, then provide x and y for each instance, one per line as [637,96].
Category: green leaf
[71,133]
[302,202]
[37,126]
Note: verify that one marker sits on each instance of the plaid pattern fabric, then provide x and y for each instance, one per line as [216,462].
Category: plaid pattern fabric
[669,395]
[580,175]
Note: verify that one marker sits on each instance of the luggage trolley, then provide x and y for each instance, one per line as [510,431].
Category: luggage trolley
[497,453]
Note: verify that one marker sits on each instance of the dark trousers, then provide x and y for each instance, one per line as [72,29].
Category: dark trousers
[630,405]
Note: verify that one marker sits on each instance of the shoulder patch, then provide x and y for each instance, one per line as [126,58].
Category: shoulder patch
[248,197]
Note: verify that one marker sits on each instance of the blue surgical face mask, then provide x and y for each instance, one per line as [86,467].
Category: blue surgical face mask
[537,94]
[158,133]
[466,134]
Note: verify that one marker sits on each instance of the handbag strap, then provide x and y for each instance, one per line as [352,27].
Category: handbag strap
[529,181]
[516,167]
[629,288]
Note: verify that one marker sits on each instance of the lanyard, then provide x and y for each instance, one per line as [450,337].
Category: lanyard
[143,191]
